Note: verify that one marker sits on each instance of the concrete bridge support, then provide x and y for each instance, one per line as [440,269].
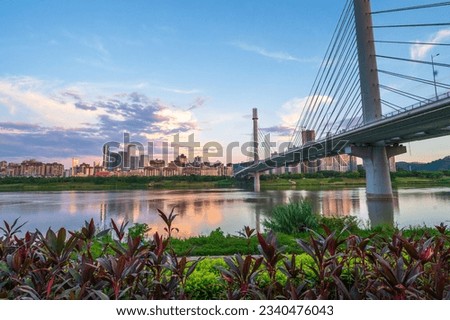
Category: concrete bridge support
[256,175]
[376,164]
[375,157]
[256,182]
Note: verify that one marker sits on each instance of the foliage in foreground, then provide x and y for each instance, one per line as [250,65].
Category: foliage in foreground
[333,265]
[292,218]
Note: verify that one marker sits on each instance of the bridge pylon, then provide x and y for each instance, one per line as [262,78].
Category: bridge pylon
[375,156]
[256,175]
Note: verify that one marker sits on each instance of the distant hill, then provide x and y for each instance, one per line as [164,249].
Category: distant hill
[436,165]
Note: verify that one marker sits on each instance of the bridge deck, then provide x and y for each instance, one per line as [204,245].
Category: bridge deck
[426,121]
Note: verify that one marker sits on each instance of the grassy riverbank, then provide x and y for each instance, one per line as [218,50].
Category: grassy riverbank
[330,179]
[112,183]
[219,244]
[320,180]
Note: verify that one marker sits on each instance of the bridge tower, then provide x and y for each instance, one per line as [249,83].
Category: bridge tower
[375,156]
[256,175]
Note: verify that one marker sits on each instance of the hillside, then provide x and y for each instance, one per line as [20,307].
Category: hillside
[437,165]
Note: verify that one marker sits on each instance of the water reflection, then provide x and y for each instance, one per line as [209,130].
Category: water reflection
[381,211]
[198,212]
[202,211]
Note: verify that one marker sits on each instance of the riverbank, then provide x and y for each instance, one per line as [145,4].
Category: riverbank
[112,183]
[308,182]
[320,183]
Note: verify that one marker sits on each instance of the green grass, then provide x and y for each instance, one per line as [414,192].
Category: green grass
[321,183]
[419,181]
[317,181]
[219,244]
[112,183]
[216,243]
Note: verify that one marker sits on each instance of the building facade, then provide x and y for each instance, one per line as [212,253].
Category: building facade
[31,168]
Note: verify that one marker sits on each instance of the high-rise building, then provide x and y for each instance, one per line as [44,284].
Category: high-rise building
[309,166]
[392,164]
[75,162]
[308,136]
[181,160]
[340,163]
[124,160]
[106,163]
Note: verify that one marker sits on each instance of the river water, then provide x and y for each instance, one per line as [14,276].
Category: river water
[201,211]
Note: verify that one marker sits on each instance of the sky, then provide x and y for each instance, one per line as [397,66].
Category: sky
[77,74]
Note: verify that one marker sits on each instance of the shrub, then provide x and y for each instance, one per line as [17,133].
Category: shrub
[335,264]
[139,230]
[339,223]
[204,283]
[292,218]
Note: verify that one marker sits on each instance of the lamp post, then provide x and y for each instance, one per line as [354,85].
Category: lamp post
[434,74]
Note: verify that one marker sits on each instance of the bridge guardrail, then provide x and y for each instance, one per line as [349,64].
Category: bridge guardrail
[417,105]
[408,108]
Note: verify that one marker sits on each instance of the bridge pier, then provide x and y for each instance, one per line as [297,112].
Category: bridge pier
[256,182]
[376,164]
[375,157]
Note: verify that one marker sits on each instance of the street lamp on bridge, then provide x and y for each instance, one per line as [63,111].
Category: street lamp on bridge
[434,73]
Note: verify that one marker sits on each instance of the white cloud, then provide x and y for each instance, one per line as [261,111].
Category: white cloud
[421,51]
[56,120]
[34,101]
[173,118]
[31,98]
[292,109]
[276,55]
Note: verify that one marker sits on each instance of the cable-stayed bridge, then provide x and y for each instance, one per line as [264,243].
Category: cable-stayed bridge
[354,107]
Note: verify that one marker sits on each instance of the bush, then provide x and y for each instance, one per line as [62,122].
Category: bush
[139,230]
[344,266]
[204,283]
[339,223]
[292,218]
[334,264]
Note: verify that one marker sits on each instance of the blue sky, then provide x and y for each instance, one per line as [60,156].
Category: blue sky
[77,74]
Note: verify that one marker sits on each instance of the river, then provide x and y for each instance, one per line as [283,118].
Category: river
[201,211]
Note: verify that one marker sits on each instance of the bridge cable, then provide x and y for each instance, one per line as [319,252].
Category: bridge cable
[360,121]
[319,75]
[334,85]
[412,42]
[426,6]
[392,105]
[403,93]
[342,96]
[354,106]
[342,79]
[355,110]
[351,98]
[318,96]
[436,64]
[438,24]
[263,143]
[411,78]
[333,73]
[296,136]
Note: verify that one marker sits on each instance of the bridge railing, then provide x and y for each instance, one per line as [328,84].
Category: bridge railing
[406,109]
[417,105]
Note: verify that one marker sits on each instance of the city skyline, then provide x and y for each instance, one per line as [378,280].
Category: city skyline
[78,74]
